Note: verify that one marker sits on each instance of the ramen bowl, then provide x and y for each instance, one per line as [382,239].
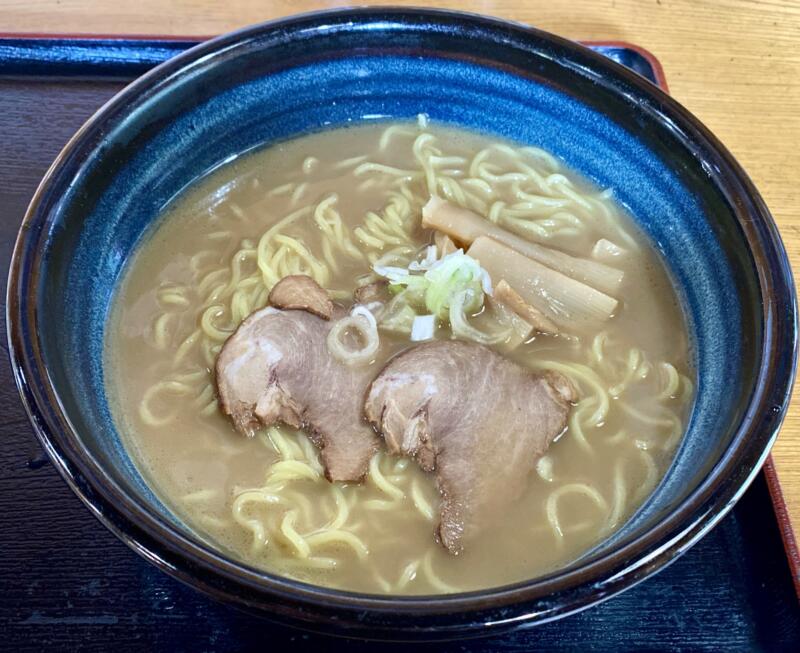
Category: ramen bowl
[290,77]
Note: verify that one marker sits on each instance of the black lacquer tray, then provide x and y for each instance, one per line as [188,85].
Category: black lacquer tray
[68,584]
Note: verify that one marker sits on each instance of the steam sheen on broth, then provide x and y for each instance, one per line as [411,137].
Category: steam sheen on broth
[330,205]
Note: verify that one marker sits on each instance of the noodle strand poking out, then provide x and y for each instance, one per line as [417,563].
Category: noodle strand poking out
[331,206]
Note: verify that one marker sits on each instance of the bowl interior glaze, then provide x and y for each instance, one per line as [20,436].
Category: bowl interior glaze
[272,83]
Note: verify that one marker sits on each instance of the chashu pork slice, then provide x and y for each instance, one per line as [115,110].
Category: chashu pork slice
[479,421]
[276,368]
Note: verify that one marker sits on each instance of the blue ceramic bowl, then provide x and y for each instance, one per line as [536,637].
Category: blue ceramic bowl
[290,77]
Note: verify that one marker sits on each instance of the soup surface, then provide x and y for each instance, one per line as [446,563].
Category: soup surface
[331,205]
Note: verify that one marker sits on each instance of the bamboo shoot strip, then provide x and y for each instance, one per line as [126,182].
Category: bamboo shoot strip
[505,294]
[465,226]
[519,329]
[572,305]
[605,250]
[443,244]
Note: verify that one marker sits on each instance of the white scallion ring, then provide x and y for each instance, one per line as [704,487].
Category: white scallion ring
[362,321]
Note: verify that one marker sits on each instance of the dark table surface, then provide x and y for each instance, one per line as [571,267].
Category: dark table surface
[68,584]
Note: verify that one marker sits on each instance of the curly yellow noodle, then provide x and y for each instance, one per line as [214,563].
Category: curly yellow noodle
[566,189]
[688,390]
[298,192]
[443,161]
[477,162]
[186,346]
[367,239]
[479,185]
[386,232]
[665,420]
[292,537]
[367,184]
[211,282]
[237,264]
[240,306]
[672,384]
[376,477]
[484,172]
[257,496]
[199,496]
[286,470]
[217,293]
[237,212]
[495,211]
[368,167]
[309,453]
[219,334]
[617,438]
[350,163]
[342,510]
[173,296]
[534,207]
[581,489]
[283,446]
[328,538]
[263,248]
[420,502]
[384,584]
[210,408]
[651,478]
[453,191]
[209,350]
[206,395]
[435,580]
[146,413]
[219,235]
[644,370]
[330,259]
[524,227]
[422,153]
[283,189]
[542,157]
[161,331]
[312,562]
[214,522]
[634,360]
[597,349]
[382,505]
[196,261]
[406,192]
[619,494]
[586,379]
[390,133]
[577,420]
[330,223]
[254,526]
[295,497]
[175,300]
[314,267]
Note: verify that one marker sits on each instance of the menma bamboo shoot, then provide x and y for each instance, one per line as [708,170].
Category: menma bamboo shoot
[571,305]
[465,226]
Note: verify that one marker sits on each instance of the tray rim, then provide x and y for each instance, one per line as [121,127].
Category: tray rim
[134,39]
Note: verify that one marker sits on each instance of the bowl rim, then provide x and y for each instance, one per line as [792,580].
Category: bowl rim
[576,587]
